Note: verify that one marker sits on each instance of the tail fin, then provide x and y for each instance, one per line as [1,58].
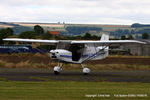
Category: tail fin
[104,37]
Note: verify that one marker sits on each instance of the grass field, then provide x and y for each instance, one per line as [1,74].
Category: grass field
[73,90]
[43,61]
[50,90]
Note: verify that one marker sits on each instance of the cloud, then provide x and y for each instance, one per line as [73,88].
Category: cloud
[76,11]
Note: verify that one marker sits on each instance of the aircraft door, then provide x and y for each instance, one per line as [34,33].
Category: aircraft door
[77,51]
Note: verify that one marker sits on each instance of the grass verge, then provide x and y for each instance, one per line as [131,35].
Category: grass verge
[51,90]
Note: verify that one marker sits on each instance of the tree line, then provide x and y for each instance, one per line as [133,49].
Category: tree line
[130,37]
[124,32]
[39,32]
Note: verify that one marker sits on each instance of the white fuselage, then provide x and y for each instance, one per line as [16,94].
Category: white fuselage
[89,52]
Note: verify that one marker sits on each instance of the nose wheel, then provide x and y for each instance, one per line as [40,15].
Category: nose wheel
[85,70]
[57,69]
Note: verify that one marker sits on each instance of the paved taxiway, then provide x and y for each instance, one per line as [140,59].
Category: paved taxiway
[25,74]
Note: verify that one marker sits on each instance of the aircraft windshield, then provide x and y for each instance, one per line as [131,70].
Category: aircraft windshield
[63,45]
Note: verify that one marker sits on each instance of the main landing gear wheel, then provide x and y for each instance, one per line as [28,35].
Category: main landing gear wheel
[86,71]
[58,69]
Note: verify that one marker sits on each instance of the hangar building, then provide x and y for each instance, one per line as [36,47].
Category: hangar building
[138,49]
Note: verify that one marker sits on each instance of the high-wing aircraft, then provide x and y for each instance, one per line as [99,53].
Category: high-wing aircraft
[72,51]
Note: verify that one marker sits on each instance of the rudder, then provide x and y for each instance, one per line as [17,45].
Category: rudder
[104,37]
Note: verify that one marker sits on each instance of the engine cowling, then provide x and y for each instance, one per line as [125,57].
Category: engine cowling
[61,55]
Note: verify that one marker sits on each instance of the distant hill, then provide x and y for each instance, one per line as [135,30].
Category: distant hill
[115,31]
[137,25]
[16,27]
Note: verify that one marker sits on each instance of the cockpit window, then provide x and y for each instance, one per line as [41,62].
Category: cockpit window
[64,46]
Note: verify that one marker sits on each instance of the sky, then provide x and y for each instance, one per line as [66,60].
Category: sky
[124,12]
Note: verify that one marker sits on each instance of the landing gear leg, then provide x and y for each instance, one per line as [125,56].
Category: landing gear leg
[58,68]
[85,70]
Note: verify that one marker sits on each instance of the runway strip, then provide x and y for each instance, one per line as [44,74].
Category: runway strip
[25,74]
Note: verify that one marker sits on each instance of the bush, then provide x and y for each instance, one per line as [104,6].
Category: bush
[27,34]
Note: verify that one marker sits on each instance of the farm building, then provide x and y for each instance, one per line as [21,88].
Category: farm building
[54,33]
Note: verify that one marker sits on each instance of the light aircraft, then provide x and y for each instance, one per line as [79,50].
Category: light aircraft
[77,52]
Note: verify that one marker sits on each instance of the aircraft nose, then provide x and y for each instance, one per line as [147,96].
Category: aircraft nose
[53,54]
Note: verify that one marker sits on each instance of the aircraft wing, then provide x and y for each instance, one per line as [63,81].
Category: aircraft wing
[107,42]
[104,42]
[31,40]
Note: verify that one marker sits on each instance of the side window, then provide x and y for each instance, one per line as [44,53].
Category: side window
[63,46]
